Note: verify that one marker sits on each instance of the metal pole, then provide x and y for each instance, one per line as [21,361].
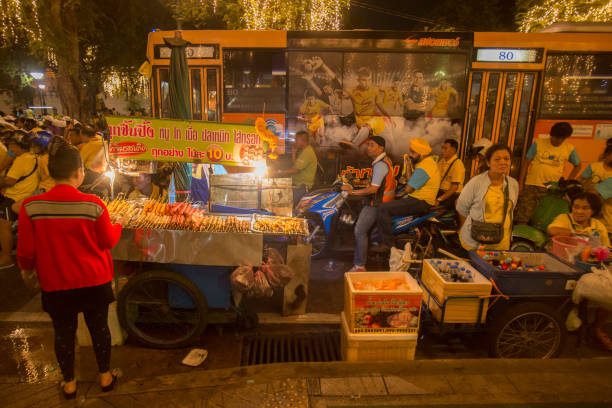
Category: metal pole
[179,22]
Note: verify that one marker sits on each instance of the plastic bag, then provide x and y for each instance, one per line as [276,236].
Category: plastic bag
[261,288]
[595,287]
[399,260]
[242,279]
[573,322]
[272,256]
[278,275]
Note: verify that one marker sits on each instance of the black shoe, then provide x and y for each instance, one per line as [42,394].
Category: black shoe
[110,386]
[67,395]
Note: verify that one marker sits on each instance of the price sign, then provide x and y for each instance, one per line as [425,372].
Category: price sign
[509,54]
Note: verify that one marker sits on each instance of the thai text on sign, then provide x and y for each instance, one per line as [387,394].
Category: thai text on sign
[184,141]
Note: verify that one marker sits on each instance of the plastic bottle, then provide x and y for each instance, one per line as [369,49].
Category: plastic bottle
[595,240]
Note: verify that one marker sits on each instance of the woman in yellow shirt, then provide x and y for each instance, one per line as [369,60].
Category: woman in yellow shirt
[581,221]
[584,207]
[40,144]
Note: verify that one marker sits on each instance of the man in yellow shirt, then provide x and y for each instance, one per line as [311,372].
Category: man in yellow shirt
[544,162]
[304,167]
[311,114]
[20,182]
[367,104]
[445,98]
[422,190]
[92,153]
[452,174]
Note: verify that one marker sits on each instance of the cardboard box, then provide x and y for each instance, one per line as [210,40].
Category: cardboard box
[369,310]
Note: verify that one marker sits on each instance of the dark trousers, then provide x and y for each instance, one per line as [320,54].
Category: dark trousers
[65,325]
[398,208]
[449,203]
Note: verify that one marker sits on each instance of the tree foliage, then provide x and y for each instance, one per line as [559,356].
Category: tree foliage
[535,15]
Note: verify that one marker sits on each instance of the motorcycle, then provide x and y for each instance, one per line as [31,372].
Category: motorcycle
[533,236]
[331,216]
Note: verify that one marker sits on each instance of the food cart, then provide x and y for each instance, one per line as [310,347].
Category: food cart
[179,256]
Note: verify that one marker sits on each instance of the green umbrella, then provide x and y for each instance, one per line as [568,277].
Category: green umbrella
[179,106]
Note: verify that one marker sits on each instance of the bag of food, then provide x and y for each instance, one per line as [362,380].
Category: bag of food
[272,256]
[595,287]
[242,279]
[261,288]
[278,275]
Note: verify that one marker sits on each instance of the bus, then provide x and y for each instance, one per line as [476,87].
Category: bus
[507,87]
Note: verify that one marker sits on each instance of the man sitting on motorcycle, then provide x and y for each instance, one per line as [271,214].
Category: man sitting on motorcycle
[422,189]
[453,175]
[382,190]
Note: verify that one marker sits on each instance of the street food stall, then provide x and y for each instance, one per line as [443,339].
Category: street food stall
[183,258]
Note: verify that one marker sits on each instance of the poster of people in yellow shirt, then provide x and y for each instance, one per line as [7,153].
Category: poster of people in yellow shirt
[341,98]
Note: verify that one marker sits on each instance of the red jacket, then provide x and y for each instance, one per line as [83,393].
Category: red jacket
[66,236]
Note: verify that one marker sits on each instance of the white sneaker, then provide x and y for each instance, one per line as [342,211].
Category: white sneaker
[356,268]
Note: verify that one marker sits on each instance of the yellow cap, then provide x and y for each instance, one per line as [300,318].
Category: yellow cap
[420,146]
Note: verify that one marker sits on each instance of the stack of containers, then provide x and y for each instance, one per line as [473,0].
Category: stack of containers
[381,316]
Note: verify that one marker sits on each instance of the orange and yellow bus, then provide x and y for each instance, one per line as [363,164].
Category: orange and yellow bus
[508,87]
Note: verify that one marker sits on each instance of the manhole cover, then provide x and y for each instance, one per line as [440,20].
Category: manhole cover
[289,348]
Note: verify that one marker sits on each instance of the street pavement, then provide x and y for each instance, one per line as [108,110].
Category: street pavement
[448,372]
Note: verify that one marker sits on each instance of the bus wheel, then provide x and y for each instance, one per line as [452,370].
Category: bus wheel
[162,309]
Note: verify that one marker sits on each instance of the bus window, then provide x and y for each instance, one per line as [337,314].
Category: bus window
[473,111]
[252,78]
[577,86]
[164,87]
[196,94]
[508,104]
[489,117]
[518,150]
[212,105]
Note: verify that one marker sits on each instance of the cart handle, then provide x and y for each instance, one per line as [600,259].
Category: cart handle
[499,294]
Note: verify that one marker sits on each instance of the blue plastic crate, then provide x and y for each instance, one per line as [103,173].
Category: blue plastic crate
[213,281]
[550,282]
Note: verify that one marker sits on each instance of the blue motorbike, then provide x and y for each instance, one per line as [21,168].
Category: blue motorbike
[331,217]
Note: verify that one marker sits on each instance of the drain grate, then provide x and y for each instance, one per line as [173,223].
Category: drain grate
[289,348]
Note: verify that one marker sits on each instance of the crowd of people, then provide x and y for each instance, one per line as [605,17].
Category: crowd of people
[491,202]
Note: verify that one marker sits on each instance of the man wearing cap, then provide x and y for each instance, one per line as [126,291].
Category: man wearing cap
[382,190]
[422,189]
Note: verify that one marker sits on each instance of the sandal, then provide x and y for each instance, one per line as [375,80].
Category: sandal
[604,340]
[110,386]
[67,395]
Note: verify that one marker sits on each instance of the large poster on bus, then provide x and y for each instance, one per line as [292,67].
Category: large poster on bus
[341,98]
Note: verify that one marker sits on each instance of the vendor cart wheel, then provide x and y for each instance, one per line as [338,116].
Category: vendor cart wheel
[317,238]
[162,309]
[522,245]
[527,330]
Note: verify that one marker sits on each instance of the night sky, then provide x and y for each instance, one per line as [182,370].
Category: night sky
[360,17]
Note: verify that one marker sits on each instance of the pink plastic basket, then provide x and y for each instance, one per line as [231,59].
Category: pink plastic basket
[567,247]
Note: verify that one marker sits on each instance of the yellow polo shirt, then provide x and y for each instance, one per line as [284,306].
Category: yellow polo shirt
[455,175]
[548,161]
[426,169]
[92,154]
[567,221]
[595,173]
[22,166]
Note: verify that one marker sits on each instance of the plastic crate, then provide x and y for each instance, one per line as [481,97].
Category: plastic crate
[376,347]
[457,310]
[557,278]
[382,311]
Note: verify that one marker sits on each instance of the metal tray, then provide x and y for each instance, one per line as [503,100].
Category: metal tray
[302,221]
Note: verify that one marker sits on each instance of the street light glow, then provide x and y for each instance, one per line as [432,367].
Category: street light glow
[41,86]
[37,75]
